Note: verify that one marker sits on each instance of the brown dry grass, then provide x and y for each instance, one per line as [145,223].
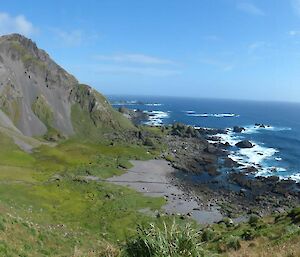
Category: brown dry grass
[107,250]
[260,248]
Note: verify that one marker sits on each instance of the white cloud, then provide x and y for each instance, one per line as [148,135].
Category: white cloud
[144,71]
[250,8]
[133,58]
[296,6]
[15,24]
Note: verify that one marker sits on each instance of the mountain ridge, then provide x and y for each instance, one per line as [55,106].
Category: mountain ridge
[38,98]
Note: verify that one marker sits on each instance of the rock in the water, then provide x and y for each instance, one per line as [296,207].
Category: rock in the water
[260,125]
[250,169]
[237,129]
[244,144]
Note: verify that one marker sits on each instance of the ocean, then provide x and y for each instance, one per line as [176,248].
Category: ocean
[277,146]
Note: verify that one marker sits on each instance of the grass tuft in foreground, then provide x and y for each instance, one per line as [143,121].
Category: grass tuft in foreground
[168,241]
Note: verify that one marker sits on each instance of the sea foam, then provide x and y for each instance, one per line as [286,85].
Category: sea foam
[215,115]
[295,177]
[257,129]
[156,118]
[255,156]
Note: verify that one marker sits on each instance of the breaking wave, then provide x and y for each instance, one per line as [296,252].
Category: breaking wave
[156,117]
[213,115]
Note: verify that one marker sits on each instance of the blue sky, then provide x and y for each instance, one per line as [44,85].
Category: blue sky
[244,49]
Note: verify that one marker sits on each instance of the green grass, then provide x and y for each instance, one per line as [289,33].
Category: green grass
[99,208]
[92,210]
[169,241]
[48,207]
[101,160]
[259,233]
[91,123]
[20,237]
[12,173]
[15,157]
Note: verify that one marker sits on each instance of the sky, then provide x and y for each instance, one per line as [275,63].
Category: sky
[236,49]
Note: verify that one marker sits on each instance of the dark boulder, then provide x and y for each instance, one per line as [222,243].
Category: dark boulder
[237,129]
[260,125]
[250,169]
[229,163]
[244,144]
[226,144]
[214,138]
[182,130]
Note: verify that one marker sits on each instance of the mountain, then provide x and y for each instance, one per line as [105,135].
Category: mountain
[38,98]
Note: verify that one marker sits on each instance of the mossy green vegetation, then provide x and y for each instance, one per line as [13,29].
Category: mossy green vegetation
[27,58]
[92,116]
[55,187]
[42,110]
[11,155]
[10,105]
[277,233]
[101,209]
[21,237]
[55,202]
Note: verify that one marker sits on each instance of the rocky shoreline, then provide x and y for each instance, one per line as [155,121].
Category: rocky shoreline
[206,169]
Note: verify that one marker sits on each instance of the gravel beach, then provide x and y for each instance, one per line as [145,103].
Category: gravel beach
[153,178]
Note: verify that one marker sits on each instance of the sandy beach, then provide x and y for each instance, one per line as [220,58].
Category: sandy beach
[153,177]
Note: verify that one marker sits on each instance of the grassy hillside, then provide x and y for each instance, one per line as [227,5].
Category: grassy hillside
[51,206]
[92,115]
[275,235]
[49,188]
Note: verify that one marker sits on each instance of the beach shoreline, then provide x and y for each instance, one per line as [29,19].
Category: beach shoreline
[155,178]
[200,165]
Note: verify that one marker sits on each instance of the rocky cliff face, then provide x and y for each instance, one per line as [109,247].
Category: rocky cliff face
[38,97]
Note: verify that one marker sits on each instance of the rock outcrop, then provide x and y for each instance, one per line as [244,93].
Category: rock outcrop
[244,144]
[238,129]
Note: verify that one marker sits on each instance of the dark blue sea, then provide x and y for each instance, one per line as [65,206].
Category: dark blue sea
[277,146]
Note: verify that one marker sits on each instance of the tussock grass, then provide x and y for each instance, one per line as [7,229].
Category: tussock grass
[168,241]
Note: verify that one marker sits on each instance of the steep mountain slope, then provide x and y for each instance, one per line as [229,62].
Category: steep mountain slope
[38,97]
